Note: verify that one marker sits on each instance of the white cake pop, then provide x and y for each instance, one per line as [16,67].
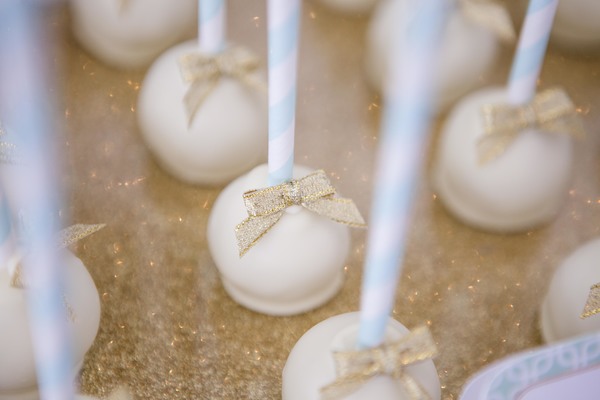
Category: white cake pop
[467,50]
[520,189]
[311,366]
[576,25]
[566,297]
[296,266]
[131,33]
[350,6]
[17,368]
[226,136]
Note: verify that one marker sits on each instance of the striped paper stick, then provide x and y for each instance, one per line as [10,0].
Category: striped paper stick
[400,155]
[211,25]
[531,49]
[284,23]
[6,248]
[23,104]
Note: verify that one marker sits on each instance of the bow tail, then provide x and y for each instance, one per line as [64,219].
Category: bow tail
[250,230]
[491,146]
[340,210]
[414,390]
[196,94]
[491,16]
[75,233]
[345,385]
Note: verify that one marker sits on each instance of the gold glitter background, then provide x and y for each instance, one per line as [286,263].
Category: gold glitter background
[168,329]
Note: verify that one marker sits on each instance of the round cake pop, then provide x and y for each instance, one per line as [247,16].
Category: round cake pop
[224,137]
[520,189]
[467,51]
[576,25]
[131,33]
[82,303]
[295,267]
[350,6]
[311,366]
[560,314]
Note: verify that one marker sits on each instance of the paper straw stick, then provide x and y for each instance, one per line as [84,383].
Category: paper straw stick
[211,25]
[531,49]
[284,24]
[6,245]
[32,190]
[400,155]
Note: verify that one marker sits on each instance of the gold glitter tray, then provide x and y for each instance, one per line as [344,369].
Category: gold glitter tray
[168,329]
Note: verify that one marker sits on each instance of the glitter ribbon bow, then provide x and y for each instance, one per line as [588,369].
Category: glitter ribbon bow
[314,192]
[490,15]
[551,111]
[64,238]
[354,368]
[203,71]
[592,305]
[123,5]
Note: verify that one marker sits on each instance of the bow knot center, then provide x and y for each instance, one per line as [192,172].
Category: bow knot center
[293,194]
[528,116]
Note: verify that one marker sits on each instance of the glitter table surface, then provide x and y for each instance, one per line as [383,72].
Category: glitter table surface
[169,330]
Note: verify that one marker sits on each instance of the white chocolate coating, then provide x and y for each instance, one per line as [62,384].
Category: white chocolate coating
[350,6]
[17,369]
[228,134]
[521,189]
[576,25]
[295,267]
[567,294]
[310,364]
[467,51]
[132,36]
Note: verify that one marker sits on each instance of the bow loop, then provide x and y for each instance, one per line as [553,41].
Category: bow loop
[356,367]
[551,111]
[203,71]
[314,192]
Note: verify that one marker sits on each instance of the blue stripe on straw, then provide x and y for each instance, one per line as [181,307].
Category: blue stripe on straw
[282,115]
[282,174]
[537,5]
[284,39]
[4,221]
[209,9]
[529,59]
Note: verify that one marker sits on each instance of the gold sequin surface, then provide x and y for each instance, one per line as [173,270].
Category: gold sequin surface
[169,330]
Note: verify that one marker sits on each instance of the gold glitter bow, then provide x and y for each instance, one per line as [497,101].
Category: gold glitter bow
[314,192]
[354,368]
[592,305]
[550,111]
[65,238]
[203,71]
[8,151]
[490,15]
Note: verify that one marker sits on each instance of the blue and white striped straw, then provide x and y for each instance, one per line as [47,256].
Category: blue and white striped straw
[284,24]
[23,104]
[531,49]
[405,129]
[6,248]
[211,25]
